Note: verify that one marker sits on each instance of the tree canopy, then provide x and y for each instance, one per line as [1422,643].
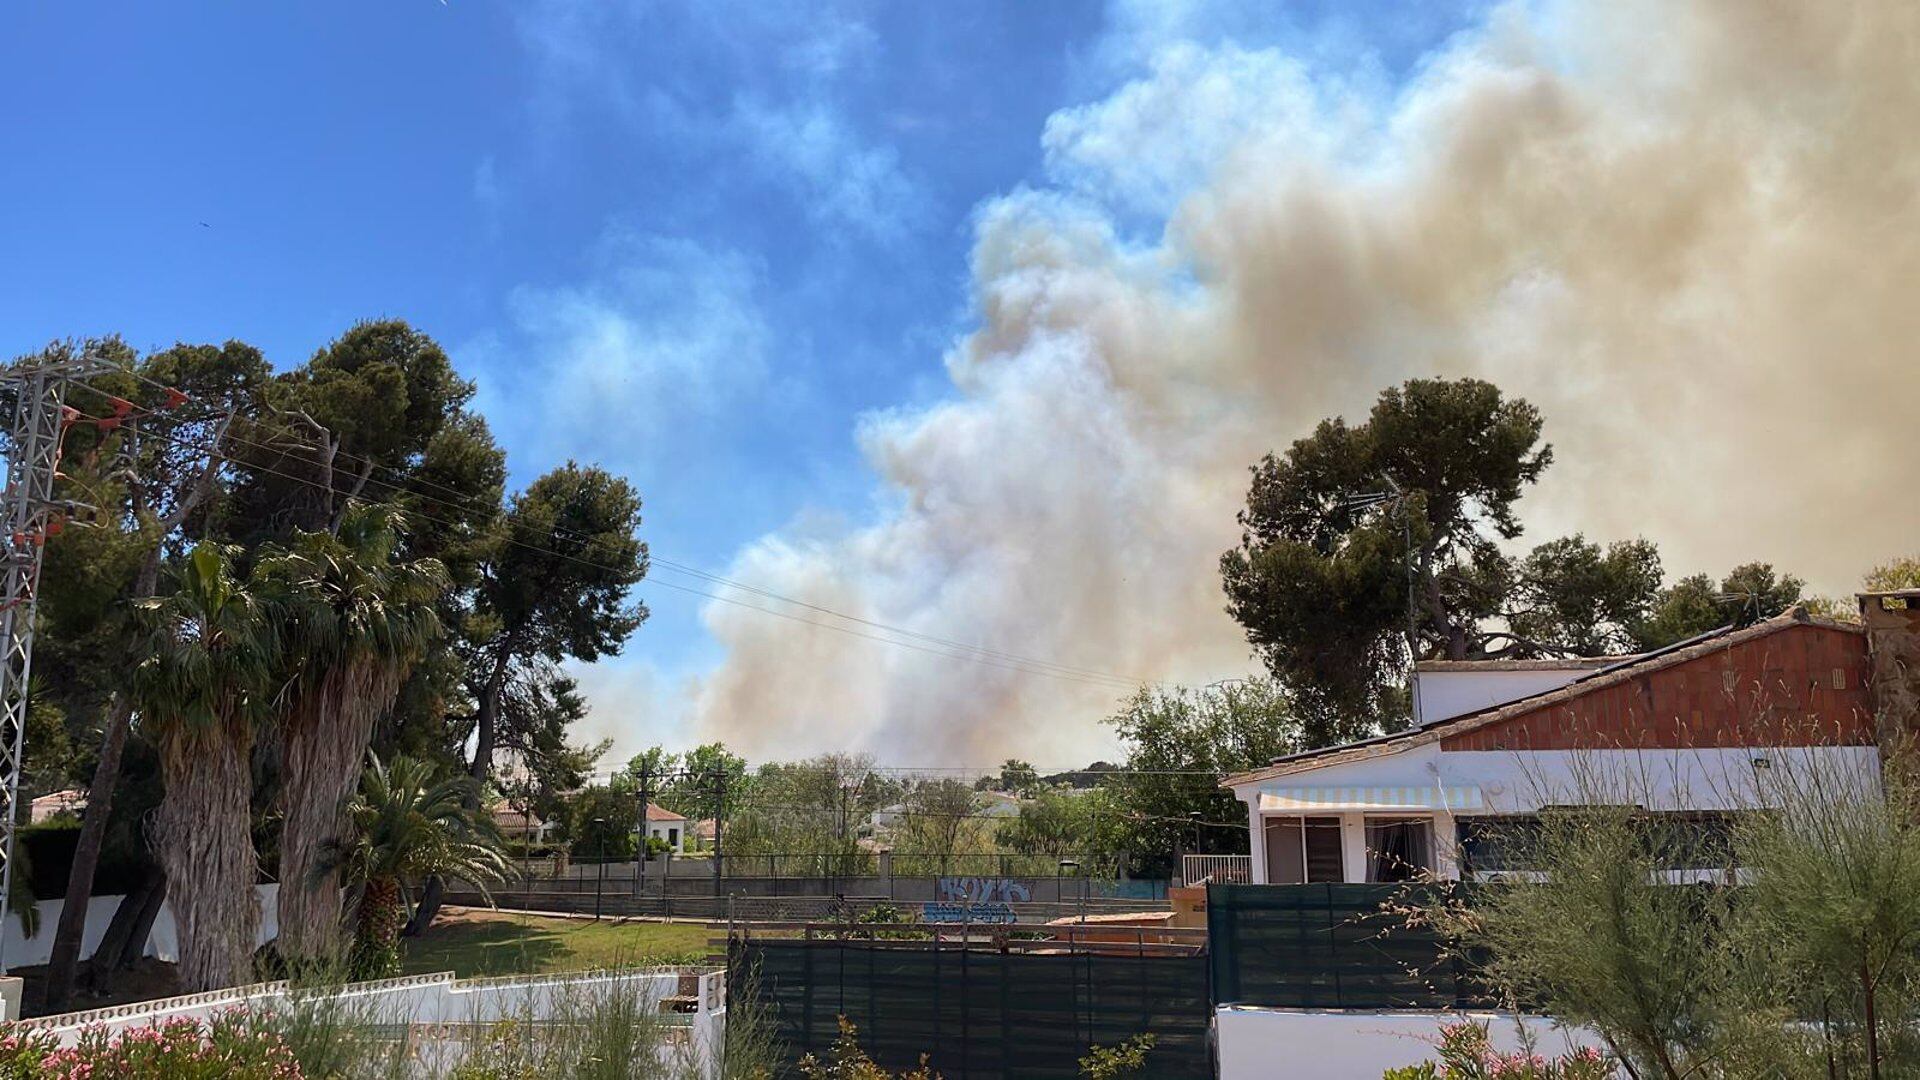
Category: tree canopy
[1366,547]
[206,444]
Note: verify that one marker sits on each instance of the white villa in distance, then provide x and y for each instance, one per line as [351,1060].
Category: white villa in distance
[1495,742]
[668,827]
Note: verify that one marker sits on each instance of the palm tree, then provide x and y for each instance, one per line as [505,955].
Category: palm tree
[409,821]
[207,672]
[358,621]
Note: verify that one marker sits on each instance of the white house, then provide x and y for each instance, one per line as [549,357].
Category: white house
[70,801]
[519,823]
[665,825]
[1691,730]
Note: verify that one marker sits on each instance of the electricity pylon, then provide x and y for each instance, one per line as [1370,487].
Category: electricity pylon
[27,511]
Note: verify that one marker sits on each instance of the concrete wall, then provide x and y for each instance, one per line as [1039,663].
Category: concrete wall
[435,1007]
[163,943]
[1327,1045]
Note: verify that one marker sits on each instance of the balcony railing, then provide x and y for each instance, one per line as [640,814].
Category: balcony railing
[1216,870]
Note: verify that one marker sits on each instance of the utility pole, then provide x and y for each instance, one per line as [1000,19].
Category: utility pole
[719,822]
[841,857]
[29,515]
[640,855]
[1397,497]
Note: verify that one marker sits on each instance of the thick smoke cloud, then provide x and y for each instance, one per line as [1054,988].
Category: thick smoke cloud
[1690,233]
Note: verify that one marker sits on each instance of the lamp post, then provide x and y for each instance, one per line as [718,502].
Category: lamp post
[1061,873]
[599,883]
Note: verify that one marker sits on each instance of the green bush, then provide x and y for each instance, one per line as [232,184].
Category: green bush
[846,1061]
[1124,1061]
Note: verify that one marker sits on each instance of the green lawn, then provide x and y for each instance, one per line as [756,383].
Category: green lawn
[486,943]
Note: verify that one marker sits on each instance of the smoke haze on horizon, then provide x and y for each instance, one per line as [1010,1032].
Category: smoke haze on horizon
[1690,234]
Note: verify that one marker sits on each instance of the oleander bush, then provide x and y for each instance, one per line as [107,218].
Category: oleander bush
[227,1047]
[1467,1053]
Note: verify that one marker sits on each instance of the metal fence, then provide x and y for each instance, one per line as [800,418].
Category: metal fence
[760,908]
[1329,947]
[1216,870]
[980,1007]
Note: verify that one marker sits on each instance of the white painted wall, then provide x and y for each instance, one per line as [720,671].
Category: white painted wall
[1305,1044]
[1512,782]
[1438,695]
[163,944]
[672,832]
[438,1000]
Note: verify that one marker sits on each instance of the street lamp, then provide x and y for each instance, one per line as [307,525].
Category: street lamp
[1064,864]
[599,883]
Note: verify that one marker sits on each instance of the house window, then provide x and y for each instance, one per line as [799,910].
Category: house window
[1677,840]
[1497,843]
[1399,849]
[1304,850]
[673,837]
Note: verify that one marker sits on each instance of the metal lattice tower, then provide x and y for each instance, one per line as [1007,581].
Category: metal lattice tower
[27,506]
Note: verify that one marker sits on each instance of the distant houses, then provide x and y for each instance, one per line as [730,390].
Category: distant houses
[70,801]
[520,826]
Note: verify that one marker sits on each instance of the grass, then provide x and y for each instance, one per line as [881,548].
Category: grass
[477,942]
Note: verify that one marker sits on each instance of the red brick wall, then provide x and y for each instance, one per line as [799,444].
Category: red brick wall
[1805,685]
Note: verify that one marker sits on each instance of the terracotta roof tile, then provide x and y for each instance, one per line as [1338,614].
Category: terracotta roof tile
[1612,674]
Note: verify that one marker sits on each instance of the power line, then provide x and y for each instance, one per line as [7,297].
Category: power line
[1022,667]
[666,563]
[654,558]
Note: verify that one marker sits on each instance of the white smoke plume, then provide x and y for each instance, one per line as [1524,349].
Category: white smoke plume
[1689,232]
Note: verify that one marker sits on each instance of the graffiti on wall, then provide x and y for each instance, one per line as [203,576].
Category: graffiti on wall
[983,890]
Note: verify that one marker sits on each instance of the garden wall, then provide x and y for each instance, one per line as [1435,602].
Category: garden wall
[435,1012]
[1336,1045]
[24,951]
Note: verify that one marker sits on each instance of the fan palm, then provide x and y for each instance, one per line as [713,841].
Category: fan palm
[358,620]
[207,670]
[409,821]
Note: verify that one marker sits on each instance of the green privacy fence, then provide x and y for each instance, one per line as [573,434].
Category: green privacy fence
[1328,947]
[978,1013]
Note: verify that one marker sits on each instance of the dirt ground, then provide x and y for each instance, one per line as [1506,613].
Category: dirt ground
[145,981]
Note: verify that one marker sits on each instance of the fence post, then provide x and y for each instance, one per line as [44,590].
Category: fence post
[640,852]
[719,823]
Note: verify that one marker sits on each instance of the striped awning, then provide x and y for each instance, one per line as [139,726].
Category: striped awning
[1434,797]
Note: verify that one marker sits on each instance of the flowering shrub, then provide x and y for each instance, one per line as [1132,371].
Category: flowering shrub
[180,1049]
[21,1054]
[1466,1053]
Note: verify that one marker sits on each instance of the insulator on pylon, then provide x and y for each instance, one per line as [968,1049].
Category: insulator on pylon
[69,415]
[54,528]
[121,406]
[107,423]
[175,399]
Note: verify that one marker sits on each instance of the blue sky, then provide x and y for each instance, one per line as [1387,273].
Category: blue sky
[695,242]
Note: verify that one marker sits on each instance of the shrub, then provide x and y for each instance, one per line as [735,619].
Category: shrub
[1466,1053]
[180,1049]
[1124,1061]
[846,1061]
